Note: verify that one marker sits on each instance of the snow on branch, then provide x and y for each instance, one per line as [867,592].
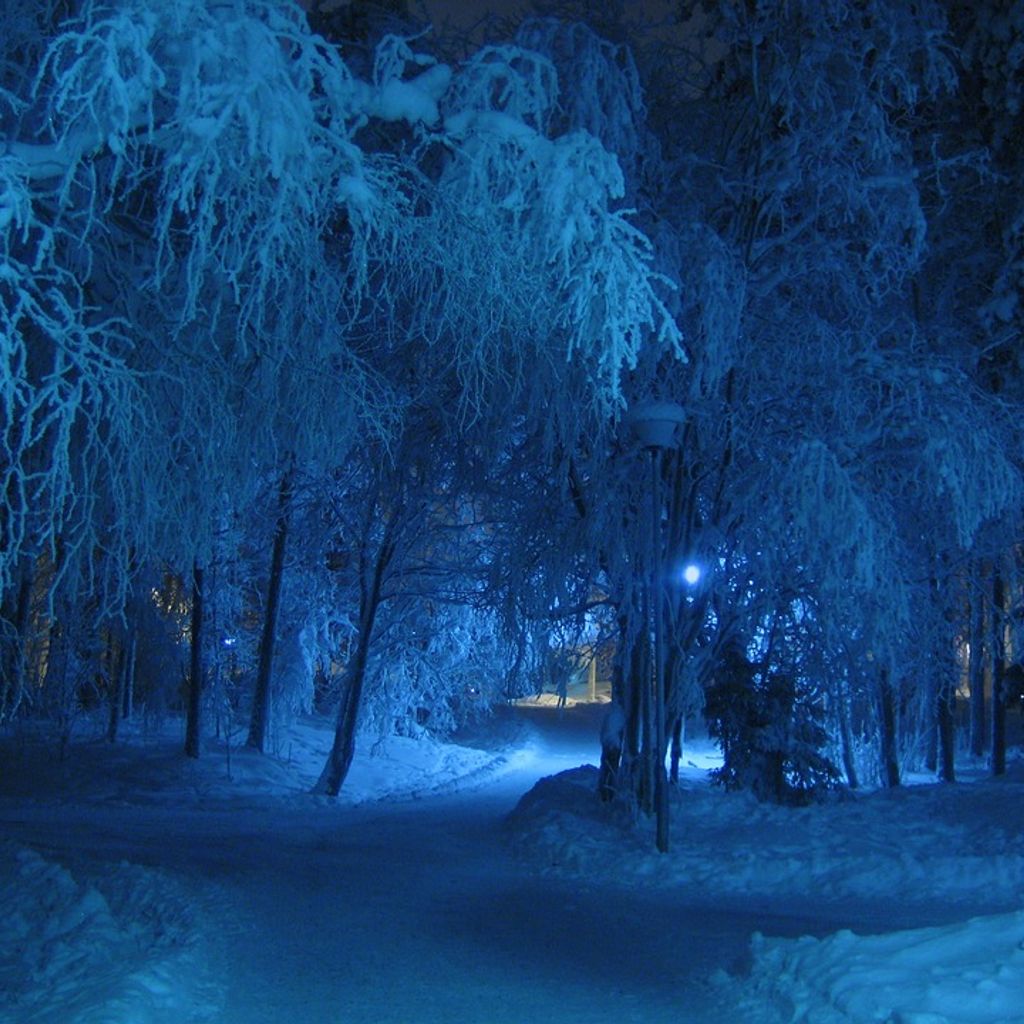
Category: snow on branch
[240,123]
[846,540]
[101,79]
[819,175]
[73,411]
[15,199]
[395,98]
[713,286]
[600,90]
[966,457]
[557,196]
[516,87]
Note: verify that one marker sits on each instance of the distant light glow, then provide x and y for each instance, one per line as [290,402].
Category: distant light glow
[691,574]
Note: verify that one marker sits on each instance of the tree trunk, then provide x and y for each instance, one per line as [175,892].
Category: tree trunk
[128,668]
[339,760]
[115,669]
[121,665]
[257,738]
[630,668]
[660,694]
[612,734]
[195,681]
[945,713]
[645,684]
[889,747]
[977,677]
[998,669]
[633,675]
[675,701]
[930,714]
[12,662]
[344,746]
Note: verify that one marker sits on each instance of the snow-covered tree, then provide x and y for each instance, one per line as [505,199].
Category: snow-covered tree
[211,225]
[825,462]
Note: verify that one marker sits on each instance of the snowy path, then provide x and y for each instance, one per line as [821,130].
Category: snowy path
[419,914]
[414,911]
[412,914]
[405,912]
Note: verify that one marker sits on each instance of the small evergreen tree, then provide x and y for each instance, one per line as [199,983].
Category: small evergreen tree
[772,733]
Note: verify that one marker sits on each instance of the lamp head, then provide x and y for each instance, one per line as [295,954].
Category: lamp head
[656,424]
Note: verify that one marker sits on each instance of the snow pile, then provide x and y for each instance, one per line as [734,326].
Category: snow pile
[120,949]
[935,843]
[970,973]
[400,767]
[880,856]
[120,943]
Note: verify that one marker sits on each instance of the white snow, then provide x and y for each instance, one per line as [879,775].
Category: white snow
[138,886]
[970,973]
[119,948]
[957,845]
[927,850]
[414,100]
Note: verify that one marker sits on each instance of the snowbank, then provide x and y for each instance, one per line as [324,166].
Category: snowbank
[119,948]
[125,944]
[970,973]
[129,943]
[925,846]
[959,844]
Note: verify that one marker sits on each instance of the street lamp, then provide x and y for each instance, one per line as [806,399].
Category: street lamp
[656,426]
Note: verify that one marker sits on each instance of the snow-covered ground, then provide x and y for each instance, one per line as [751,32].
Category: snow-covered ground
[924,852]
[138,886]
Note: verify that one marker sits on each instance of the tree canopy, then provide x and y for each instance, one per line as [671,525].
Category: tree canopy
[290,293]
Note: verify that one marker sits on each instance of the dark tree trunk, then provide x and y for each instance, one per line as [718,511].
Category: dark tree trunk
[12,653]
[634,674]
[115,670]
[629,674]
[648,736]
[889,746]
[121,665]
[332,778]
[128,670]
[339,760]
[343,749]
[612,735]
[257,738]
[977,677]
[640,778]
[998,671]
[931,726]
[193,724]
[945,713]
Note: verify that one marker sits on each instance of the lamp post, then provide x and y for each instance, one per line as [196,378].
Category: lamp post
[656,425]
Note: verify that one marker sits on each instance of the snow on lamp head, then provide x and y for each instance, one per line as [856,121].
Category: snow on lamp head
[655,424]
